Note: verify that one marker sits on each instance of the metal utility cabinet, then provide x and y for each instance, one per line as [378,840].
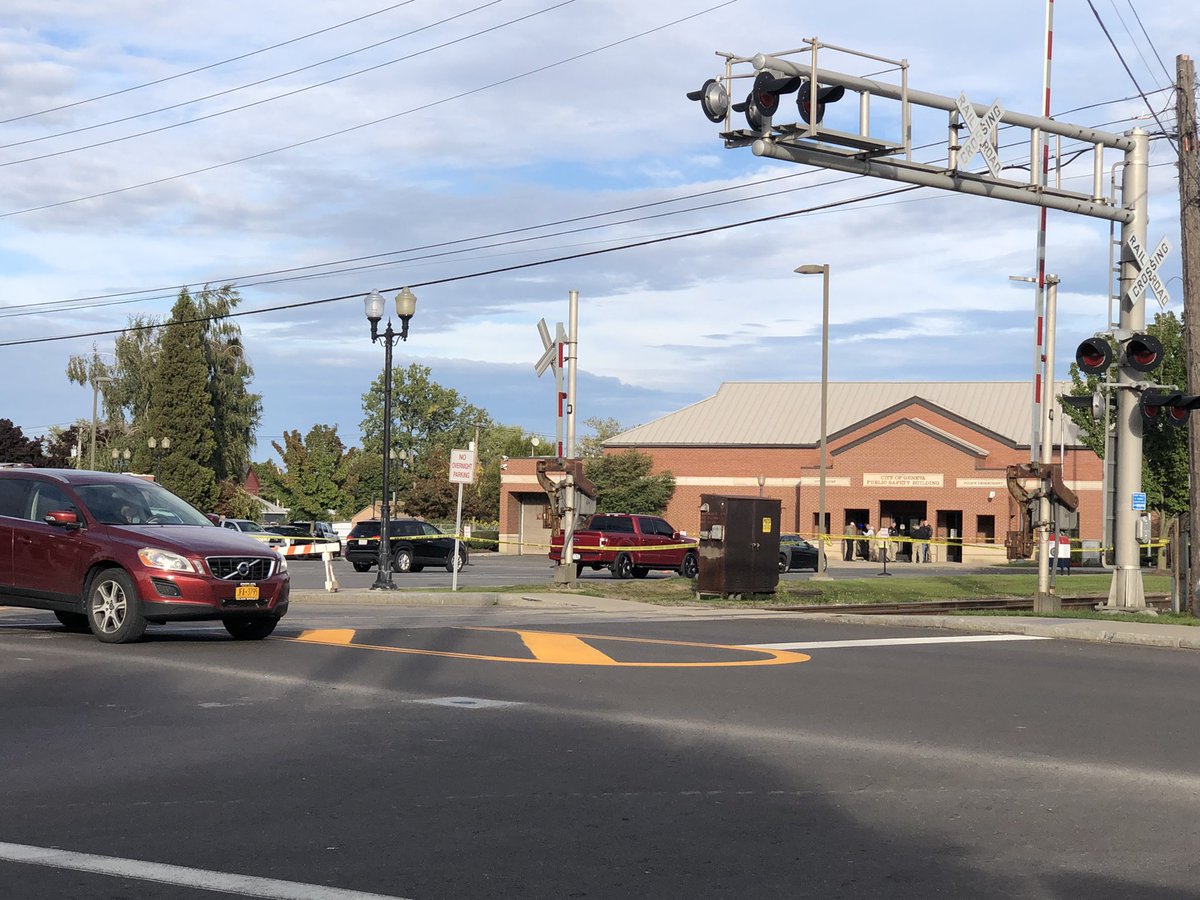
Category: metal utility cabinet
[739,545]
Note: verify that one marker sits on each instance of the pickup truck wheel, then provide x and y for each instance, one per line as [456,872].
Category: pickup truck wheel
[361,567]
[622,566]
[639,572]
[402,561]
[578,569]
[783,562]
[691,566]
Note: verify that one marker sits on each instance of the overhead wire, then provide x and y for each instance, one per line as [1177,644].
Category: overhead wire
[206,67]
[1129,72]
[83,303]
[516,267]
[292,93]
[1149,41]
[360,126]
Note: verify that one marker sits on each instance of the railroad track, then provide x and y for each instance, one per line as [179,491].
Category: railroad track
[934,607]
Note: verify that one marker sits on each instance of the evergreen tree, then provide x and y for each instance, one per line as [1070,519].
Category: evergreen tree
[182,408]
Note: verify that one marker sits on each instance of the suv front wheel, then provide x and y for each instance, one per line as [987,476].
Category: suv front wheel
[114,609]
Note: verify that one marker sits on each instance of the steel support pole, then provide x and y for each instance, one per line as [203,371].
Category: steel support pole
[1046,600]
[1126,591]
[822,560]
[383,578]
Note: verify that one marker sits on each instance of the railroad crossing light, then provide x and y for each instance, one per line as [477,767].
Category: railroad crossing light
[1093,403]
[825,95]
[1172,407]
[1094,356]
[714,100]
[763,100]
[1143,353]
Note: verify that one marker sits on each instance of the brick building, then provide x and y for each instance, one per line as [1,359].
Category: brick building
[897,452]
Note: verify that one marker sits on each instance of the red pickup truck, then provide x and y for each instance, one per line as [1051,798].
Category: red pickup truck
[630,546]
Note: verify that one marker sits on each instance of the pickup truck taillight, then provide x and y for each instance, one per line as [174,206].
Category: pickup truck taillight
[603,540]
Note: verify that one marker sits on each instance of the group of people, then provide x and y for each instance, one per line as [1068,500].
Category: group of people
[889,543]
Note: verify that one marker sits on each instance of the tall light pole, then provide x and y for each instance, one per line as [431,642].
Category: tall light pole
[406,306]
[823,271]
[96,381]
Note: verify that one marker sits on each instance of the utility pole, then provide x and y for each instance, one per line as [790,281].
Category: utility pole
[1189,238]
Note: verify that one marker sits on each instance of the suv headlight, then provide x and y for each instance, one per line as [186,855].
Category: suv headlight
[153,558]
[282,566]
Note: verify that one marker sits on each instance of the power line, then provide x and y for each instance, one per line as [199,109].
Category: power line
[1170,78]
[283,96]
[359,127]
[136,296]
[205,68]
[516,267]
[1129,72]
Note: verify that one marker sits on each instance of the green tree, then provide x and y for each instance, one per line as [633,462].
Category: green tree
[237,411]
[426,417]
[130,388]
[16,448]
[1165,468]
[314,473]
[602,429]
[182,408]
[624,483]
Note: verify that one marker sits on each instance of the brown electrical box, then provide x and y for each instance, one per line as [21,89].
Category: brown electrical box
[739,545]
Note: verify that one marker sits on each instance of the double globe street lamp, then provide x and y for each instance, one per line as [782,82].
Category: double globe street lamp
[406,307]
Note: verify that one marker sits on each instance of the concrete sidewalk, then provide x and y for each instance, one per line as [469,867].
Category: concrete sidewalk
[1185,637]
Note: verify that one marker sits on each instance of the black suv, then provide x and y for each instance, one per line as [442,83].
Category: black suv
[414,545]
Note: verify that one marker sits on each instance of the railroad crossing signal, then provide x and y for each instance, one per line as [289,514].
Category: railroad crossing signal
[1172,407]
[1148,270]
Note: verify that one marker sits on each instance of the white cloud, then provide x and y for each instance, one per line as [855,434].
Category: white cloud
[919,283]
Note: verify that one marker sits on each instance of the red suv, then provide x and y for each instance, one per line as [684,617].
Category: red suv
[111,553]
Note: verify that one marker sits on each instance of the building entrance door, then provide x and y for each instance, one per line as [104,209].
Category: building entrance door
[949,528]
[904,515]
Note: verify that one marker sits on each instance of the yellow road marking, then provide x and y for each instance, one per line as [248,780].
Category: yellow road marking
[563,648]
[328,636]
[561,652]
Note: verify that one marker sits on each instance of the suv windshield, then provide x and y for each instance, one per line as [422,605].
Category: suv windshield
[143,503]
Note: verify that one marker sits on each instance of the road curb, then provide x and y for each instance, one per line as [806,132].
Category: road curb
[1179,637]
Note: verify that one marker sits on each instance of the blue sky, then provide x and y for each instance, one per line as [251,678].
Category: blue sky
[919,284]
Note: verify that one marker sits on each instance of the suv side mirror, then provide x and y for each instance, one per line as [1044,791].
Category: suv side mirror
[65,518]
[213,517]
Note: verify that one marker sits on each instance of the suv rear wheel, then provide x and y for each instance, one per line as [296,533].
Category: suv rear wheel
[114,609]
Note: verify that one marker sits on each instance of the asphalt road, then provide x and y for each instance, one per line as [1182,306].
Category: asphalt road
[461,753]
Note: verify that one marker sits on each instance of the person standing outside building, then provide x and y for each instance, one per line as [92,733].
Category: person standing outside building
[848,542]
[864,546]
[923,533]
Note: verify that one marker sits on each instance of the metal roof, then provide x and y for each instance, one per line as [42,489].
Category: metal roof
[788,414]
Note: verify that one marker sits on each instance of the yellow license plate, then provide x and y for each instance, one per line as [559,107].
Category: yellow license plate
[246,592]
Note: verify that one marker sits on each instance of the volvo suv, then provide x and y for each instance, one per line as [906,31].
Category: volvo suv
[112,553]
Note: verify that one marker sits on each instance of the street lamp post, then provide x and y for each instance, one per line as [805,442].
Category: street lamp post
[406,306]
[120,459]
[823,271]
